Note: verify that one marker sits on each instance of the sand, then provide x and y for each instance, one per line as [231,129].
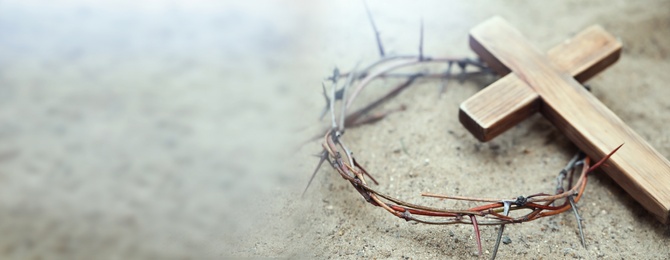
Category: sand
[150,130]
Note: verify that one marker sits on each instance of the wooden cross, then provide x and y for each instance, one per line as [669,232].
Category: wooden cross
[551,85]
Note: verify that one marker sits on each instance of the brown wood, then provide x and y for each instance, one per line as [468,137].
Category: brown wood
[509,100]
[498,107]
[637,167]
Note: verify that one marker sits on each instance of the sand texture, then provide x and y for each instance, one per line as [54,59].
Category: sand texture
[156,130]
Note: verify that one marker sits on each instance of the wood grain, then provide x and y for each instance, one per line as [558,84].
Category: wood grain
[637,167]
[509,100]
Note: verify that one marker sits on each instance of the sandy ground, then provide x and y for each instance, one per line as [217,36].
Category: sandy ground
[152,130]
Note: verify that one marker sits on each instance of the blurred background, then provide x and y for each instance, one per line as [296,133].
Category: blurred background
[172,129]
[140,129]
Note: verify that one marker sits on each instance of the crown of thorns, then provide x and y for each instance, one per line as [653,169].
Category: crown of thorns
[570,182]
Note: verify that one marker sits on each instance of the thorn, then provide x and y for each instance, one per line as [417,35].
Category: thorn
[446,79]
[374,28]
[603,159]
[339,94]
[495,248]
[421,42]
[335,76]
[325,95]
[324,156]
[336,139]
[579,220]
[506,205]
[462,64]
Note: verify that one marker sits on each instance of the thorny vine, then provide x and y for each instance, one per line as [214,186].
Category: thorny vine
[494,211]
